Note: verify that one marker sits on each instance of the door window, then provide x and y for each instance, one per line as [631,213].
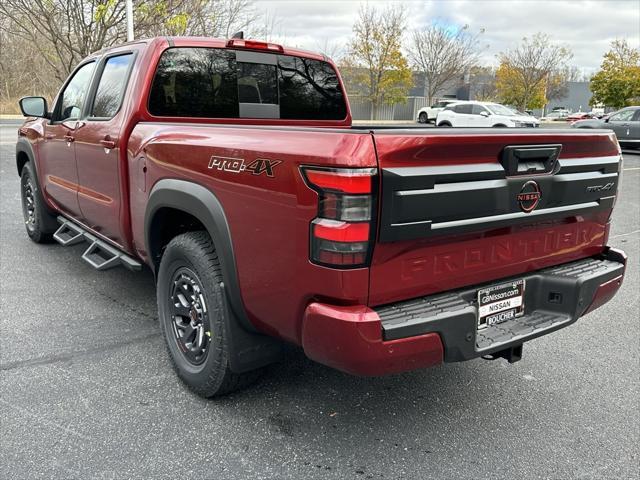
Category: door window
[465,108]
[478,109]
[622,116]
[112,86]
[74,94]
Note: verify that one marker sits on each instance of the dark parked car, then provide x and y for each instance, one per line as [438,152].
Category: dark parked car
[625,122]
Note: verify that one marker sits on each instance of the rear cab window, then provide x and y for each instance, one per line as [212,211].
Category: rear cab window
[223,83]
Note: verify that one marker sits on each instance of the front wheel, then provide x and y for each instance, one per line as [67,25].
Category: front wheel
[191,312]
[422,118]
[40,224]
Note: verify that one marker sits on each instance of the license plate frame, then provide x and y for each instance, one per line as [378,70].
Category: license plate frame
[500,303]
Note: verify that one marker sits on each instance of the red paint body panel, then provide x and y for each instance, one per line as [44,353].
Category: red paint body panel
[326,310]
[269,218]
[605,292]
[350,339]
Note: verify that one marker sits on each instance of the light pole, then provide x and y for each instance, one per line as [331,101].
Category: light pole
[129,7]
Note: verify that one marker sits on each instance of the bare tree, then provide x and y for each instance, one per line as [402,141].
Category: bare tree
[65,31]
[333,50]
[376,66]
[533,64]
[482,81]
[43,40]
[223,18]
[442,55]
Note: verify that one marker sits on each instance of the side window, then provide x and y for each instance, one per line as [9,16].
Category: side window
[478,109]
[195,82]
[623,116]
[464,108]
[112,86]
[636,117]
[73,97]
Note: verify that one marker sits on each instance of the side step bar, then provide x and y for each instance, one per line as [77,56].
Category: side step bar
[100,255]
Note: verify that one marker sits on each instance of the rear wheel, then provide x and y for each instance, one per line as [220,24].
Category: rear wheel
[499,125]
[40,224]
[191,312]
[422,118]
[444,124]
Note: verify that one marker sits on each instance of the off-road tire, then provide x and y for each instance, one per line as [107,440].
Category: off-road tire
[194,252]
[40,224]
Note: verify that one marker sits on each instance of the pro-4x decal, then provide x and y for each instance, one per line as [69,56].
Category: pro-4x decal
[237,165]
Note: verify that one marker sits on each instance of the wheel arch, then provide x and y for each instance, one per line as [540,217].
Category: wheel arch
[169,196]
[250,349]
[24,154]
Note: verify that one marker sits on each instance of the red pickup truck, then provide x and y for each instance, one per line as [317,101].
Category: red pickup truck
[231,169]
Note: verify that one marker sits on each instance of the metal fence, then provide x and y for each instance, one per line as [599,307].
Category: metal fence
[408,110]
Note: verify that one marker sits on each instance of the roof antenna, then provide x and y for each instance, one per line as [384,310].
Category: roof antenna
[239,35]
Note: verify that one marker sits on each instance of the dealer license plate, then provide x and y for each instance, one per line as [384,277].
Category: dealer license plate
[500,303]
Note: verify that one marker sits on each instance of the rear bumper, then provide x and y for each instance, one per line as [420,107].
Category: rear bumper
[426,331]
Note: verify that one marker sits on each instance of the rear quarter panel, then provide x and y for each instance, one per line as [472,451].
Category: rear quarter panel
[268,217]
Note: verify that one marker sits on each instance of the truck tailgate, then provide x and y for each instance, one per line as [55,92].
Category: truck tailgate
[463,207]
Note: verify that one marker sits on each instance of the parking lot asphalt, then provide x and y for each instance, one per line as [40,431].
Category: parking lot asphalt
[87,391]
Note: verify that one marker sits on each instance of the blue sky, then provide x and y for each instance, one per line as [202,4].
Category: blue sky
[587,27]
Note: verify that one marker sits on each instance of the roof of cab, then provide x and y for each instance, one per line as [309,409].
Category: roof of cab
[222,43]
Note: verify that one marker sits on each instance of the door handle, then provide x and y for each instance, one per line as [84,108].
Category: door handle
[108,143]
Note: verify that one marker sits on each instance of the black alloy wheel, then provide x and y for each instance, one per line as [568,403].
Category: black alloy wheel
[28,202]
[190,320]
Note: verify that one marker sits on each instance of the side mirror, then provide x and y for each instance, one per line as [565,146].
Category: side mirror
[484,113]
[606,120]
[34,107]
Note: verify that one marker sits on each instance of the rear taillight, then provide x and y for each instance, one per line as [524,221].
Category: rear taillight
[342,234]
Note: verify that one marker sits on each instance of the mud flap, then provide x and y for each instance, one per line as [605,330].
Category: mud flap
[247,350]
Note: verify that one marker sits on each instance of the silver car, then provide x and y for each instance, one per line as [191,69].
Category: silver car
[625,122]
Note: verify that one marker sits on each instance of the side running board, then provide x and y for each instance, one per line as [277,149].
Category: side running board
[100,255]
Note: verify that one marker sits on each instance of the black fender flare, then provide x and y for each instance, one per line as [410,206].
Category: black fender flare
[250,349]
[23,146]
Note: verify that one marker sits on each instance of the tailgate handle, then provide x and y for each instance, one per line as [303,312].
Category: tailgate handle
[530,159]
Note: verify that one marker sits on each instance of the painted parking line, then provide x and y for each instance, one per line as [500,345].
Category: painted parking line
[632,168]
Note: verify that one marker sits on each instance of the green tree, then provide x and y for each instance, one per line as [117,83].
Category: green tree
[530,71]
[512,91]
[375,65]
[617,84]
